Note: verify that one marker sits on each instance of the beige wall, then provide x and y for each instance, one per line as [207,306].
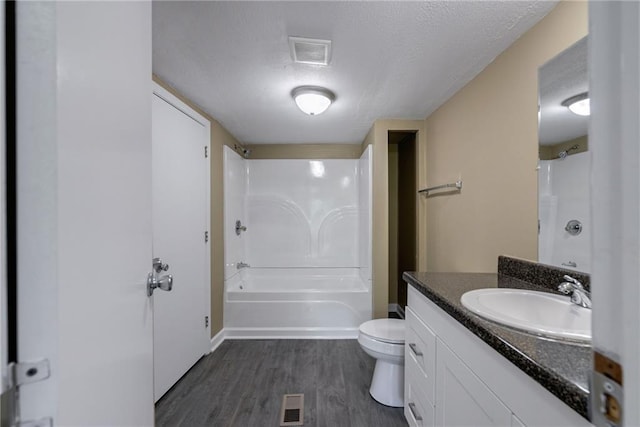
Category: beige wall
[378,139]
[487,135]
[305,151]
[393,223]
[219,138]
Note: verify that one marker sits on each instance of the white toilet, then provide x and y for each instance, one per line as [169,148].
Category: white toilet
[383,339]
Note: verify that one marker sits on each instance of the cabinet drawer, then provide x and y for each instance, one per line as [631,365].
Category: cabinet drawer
[420,347]
[418,409]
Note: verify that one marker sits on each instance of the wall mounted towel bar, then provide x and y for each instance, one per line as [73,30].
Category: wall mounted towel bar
[457,185]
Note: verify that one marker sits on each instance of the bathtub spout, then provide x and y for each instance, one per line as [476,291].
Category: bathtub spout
[240,265]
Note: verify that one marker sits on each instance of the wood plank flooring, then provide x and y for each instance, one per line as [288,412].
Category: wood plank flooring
[243,381]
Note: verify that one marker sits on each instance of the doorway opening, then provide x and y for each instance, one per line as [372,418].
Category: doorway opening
[402,215]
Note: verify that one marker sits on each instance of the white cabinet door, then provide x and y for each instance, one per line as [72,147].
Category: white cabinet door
[180,220]
[84,210]
[461,398]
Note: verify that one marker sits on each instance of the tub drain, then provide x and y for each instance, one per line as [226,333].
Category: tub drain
[292,413]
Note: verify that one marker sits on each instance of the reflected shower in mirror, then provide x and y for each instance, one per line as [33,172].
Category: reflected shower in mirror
[563,187]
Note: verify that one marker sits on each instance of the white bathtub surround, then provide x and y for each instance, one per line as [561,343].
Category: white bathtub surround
[365,195]
[309,251]
[564,196]
[235,189]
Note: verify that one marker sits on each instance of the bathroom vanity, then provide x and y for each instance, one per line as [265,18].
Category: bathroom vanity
[463,370]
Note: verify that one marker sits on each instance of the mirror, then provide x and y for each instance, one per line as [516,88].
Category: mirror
[563,174]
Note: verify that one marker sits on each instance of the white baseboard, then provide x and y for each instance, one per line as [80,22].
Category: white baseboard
[217,340]
[291,333]
[396,308]
[281,333]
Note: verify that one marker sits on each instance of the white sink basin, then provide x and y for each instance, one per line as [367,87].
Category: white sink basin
[539,313]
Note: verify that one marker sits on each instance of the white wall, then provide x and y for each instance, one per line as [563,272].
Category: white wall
[563,196]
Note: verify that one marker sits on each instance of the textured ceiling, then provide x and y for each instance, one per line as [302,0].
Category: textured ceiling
[389,60]
[561,78]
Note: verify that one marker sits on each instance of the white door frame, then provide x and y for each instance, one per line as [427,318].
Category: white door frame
[614,139]
[4,349]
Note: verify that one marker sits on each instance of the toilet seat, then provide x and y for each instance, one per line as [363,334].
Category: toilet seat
[385,330]
[380,349]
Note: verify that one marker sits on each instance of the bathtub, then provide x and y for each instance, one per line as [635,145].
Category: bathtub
[296,303]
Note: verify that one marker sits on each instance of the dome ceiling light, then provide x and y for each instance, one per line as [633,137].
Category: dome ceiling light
[578,104]
[312,100]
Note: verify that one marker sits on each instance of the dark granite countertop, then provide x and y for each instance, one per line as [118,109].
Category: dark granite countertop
[561,367]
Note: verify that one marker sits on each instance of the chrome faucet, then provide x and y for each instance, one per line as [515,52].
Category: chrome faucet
[240,265]
[579,295]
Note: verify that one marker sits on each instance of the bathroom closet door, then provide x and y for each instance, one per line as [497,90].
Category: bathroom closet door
[180,166]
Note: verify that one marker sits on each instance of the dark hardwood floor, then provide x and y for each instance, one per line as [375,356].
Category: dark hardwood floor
[243,381]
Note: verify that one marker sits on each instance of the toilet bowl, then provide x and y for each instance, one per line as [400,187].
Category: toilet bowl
[383,339]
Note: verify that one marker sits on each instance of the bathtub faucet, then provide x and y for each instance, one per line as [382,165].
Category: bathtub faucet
[241,265]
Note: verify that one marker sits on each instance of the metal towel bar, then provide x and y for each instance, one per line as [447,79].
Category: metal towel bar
[457,185]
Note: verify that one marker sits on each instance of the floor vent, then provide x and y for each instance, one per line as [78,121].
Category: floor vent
[292,413]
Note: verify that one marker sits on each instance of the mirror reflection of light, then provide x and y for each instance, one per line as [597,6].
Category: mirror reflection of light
[345,182]
[581,108]
[578,104]
[317,168]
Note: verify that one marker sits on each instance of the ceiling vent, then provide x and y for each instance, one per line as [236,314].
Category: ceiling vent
[310,51]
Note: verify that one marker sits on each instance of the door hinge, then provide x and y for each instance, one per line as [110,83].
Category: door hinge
[206,321]
[206,237]
[206,151]
[607,393]
[19,375]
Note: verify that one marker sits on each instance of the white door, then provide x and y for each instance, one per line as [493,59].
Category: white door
[84,210]
[614,141]
[180,237]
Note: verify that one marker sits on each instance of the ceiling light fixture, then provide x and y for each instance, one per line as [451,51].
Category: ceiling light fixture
[312,100]
[578,104]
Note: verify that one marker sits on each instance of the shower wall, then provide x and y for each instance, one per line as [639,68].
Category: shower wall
[307,242]
[235,189]
[298,213]
[302,213]
[365,196]
[563,188]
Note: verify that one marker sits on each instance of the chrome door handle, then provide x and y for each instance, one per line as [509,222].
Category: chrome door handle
[414,412]
[414,349]
[165,283]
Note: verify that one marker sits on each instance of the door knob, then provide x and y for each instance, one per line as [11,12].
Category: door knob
[165,283]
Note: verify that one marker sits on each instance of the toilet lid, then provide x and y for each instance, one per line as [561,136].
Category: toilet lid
[386,330]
